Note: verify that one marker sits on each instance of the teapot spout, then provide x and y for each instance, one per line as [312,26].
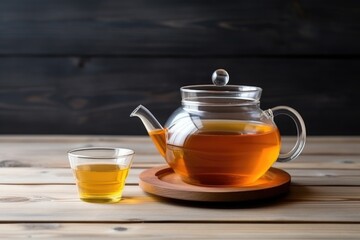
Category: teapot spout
[149,121]
[153,127]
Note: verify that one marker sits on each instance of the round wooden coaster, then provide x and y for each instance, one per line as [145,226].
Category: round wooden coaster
[162,181]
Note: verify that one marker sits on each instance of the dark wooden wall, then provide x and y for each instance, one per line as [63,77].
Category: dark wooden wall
[81,67]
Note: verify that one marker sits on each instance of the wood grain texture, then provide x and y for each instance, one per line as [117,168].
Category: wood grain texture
[138,27]
[96,95]
[50,151]
[59,176]
[40,200]
[69,67]
[52,203]
[152,231]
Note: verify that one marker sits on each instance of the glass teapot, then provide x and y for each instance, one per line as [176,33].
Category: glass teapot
[220,136]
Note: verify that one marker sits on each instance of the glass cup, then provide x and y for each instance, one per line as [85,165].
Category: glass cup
[100,172]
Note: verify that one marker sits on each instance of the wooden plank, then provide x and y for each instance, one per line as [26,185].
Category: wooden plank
[322,162]
[50,151]
[179,27]
[54,203]
[96,96]
[312,177]
[324,145]
[54,161]
[169,230]
[31,176]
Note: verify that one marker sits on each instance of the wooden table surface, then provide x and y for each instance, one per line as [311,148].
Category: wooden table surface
[38,197]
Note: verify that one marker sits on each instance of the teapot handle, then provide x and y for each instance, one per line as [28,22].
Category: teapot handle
[301,132]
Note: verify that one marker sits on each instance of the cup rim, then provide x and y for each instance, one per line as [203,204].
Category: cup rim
[72,153]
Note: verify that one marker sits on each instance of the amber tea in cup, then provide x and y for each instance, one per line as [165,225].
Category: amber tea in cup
[100,173]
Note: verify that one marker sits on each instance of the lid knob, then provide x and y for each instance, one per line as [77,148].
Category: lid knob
[220,77]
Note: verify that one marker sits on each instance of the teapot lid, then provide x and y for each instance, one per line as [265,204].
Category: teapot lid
[219,93]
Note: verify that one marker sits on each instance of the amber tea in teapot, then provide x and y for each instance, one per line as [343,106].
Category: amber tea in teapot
[238,151]
[220,136]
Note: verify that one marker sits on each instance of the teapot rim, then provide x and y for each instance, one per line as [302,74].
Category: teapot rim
[220,89]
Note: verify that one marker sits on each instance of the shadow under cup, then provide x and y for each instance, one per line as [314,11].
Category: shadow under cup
[100,172]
